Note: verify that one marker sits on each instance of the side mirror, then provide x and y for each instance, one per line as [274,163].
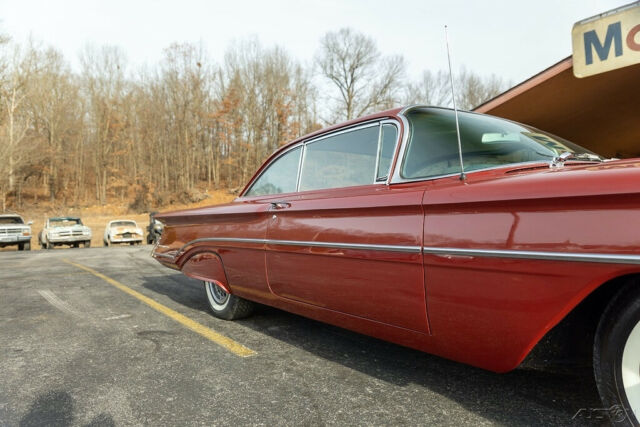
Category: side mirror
[30,223]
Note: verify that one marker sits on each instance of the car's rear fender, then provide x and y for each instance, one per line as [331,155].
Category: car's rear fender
[206,266]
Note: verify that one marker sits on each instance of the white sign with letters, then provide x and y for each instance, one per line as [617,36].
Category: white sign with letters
[607,41]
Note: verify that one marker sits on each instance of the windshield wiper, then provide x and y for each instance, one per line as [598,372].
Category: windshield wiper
[558,161]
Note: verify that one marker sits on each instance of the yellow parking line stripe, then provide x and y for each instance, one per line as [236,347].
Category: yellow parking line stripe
[234,347]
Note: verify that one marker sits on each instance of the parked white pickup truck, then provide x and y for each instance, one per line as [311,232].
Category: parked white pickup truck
[64,231]
[13,231]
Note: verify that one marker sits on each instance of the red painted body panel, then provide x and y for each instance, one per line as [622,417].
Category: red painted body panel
[243,262]
[504,306]
[488,312]
[206,266]
[369,284]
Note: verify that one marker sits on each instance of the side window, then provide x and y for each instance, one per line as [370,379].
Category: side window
[342,160]
[280,177]
[387,148]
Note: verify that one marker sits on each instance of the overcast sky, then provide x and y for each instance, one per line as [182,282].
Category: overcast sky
[513,39]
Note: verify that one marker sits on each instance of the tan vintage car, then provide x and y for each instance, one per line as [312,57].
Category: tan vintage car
[122,231]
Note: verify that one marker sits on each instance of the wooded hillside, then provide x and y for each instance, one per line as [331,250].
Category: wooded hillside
[157,135]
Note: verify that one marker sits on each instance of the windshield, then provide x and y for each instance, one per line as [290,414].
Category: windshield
[487,142]
[123,224]
[64,222]
[11,220]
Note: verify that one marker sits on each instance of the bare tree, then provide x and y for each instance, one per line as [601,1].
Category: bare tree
[15,119]
[104,85]
[185,83]
[269,87]
[54,104]
[471,89]
[431,89]
[365,80]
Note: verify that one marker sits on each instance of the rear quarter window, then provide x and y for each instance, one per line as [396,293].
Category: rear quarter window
[281,176]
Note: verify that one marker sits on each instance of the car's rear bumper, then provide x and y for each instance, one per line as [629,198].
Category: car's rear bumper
[126,239]
[166,256]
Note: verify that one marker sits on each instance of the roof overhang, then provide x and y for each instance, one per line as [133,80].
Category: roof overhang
[601,112]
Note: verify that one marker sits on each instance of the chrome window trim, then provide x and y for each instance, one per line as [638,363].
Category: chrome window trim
[302,155]
[378,153]
[395,149]
[427,250]
[524,165]
[364,125]
[395,177]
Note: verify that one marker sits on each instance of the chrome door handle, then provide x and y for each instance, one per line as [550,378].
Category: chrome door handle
[280,205]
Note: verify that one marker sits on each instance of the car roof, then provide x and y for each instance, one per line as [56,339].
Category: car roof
[62,218]
[10,215]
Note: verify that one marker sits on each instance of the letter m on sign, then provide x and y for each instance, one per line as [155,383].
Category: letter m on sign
[591,42]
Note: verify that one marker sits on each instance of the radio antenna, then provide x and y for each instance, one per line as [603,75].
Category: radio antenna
[463,176]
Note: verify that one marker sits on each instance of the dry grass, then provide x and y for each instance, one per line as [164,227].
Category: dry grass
[96,217]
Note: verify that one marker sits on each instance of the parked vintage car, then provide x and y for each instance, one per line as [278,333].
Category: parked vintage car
[154,229]
[68,231]
[13,231]
[533,254]
[122,231]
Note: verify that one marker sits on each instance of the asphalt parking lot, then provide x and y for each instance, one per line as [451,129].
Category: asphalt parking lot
[79,350]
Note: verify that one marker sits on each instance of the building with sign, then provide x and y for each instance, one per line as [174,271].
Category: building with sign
[607,41]
[592,97]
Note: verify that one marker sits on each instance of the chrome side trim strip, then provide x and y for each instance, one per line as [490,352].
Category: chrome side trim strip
[550,256]
[484,253]
[362,246]
[332,245]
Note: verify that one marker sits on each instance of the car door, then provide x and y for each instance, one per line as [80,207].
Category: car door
[349,242]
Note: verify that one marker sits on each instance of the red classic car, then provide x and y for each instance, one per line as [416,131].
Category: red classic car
[532,254]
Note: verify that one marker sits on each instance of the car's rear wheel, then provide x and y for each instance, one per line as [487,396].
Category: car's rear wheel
[616,356]
[225,305]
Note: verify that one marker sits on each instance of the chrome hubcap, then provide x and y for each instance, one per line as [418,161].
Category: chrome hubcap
[217,293]
[631,370]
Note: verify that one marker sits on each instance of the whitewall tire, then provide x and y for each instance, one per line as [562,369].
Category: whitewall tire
[225,305]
